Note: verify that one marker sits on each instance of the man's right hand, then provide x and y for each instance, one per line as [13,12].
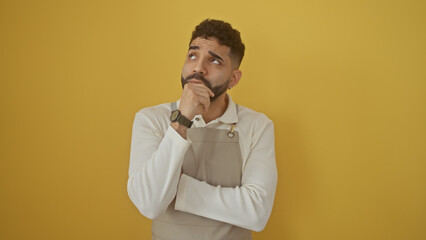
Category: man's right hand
[195,99]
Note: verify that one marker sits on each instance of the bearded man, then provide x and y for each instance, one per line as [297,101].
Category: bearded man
[204,167]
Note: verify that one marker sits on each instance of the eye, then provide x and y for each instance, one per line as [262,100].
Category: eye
[215,61]
[191,56]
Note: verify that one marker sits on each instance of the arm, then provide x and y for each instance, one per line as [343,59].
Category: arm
[156,161]
[155,165]
[249,205]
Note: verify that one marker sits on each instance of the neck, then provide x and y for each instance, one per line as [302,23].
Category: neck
[217,108]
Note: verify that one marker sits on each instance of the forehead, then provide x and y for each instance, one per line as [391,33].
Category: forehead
[211,44]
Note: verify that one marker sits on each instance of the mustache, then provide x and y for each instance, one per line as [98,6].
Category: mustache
[198,77]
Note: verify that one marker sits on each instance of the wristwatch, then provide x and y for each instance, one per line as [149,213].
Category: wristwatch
[178,117]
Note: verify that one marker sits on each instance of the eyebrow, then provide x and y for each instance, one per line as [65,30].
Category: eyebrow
[215,55]
[210,52]
[193,47]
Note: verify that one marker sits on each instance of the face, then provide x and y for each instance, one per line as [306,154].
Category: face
[210,62]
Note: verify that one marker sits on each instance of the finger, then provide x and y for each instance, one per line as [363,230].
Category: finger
[200,89]
[198,83]
[205,102]
[198,94]
[201,96]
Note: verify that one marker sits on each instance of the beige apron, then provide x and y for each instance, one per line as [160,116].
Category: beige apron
[214,157]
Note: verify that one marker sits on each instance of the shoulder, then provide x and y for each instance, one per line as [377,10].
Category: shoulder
[254,127]
[250,116]
[157,111]
[156,118]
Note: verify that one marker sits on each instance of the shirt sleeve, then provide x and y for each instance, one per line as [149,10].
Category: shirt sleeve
[155,165]
[249,205]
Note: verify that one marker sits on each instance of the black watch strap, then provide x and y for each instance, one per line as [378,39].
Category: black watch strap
[177,116]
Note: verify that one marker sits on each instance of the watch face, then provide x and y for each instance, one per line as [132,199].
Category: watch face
[174,115]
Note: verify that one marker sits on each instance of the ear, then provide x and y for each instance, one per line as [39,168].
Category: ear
[235,78]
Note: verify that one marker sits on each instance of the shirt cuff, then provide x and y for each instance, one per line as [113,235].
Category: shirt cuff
[177,137]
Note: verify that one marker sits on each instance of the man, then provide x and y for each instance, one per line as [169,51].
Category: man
[204,167]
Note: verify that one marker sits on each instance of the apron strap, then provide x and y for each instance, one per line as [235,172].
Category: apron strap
[173,106]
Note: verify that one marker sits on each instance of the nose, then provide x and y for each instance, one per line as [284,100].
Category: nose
[199,67]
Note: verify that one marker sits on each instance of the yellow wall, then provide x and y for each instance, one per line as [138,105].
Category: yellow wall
[343,81]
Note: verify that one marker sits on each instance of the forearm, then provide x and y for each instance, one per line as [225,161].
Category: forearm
[154,172]
[248,206]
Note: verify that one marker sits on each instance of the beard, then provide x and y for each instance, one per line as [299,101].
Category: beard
[218,90]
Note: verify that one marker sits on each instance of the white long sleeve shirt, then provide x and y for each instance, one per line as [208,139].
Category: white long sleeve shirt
[157,155]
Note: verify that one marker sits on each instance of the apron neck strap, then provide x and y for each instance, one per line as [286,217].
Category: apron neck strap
[173,106]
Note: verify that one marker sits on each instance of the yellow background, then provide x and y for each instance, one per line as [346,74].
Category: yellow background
[343,81]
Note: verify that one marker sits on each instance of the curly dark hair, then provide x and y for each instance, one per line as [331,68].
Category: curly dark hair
[225,34]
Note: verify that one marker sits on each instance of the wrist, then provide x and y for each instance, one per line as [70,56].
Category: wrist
[187,115]
[177,116]
[181,129]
